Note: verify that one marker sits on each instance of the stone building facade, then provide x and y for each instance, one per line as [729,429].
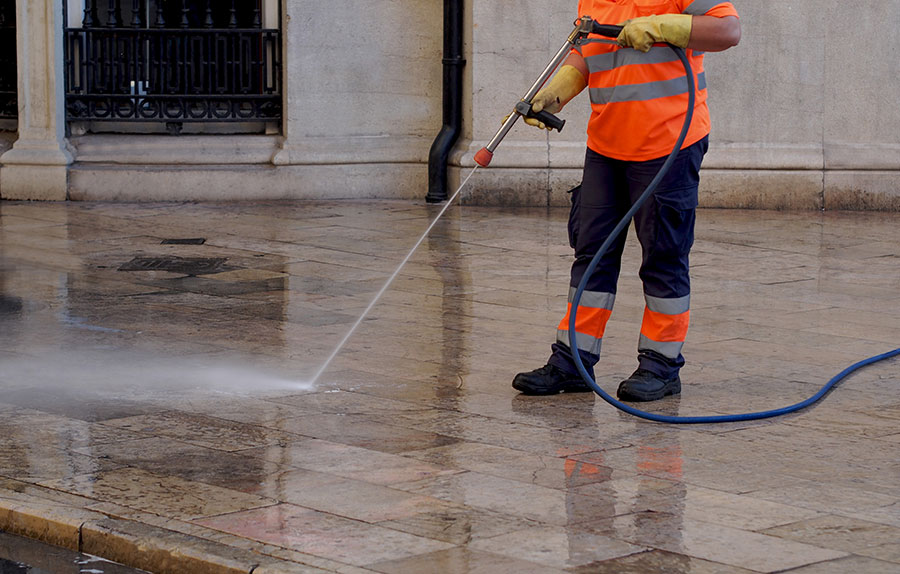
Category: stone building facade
[805,112]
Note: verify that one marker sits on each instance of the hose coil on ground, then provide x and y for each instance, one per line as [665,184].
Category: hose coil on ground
[620,227]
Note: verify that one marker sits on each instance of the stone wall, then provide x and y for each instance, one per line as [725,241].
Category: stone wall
[804,111]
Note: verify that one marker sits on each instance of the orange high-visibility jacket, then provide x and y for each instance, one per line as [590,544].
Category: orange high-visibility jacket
[639,100]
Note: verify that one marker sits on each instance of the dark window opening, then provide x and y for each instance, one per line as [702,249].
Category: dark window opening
[9,79]
[173,13]
[173,62]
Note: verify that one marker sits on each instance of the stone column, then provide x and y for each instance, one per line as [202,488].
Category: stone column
[36,168]
[506,51]
[291,83]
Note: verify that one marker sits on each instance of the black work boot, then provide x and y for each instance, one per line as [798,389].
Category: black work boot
[549,380]
[643,386]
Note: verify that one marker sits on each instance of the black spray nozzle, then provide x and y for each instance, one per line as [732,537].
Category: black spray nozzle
[524,109]
[608,30]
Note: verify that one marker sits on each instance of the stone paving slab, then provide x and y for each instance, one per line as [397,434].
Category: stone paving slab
[169,420]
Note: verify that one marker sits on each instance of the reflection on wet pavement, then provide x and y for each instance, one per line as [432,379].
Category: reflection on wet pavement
[169,383]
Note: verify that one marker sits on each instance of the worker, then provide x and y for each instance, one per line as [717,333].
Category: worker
[639,100]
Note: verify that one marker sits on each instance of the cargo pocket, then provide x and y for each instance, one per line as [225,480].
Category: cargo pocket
[676,212]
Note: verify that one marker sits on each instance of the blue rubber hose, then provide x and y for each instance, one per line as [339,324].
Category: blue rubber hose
[622,225]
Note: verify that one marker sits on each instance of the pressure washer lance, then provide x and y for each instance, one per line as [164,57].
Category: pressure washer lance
[583,26]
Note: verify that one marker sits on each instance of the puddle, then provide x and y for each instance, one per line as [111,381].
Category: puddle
[24,556]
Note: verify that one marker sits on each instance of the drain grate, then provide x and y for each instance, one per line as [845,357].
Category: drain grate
[185,265]
[10,305]
[188,241]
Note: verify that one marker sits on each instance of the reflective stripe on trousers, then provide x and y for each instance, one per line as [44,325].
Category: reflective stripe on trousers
[593,314]
[665,326]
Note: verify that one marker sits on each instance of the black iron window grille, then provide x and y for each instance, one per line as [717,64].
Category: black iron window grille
[173,61]
[9,81]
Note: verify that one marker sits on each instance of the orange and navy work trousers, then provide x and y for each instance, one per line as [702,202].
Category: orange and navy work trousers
[665,228]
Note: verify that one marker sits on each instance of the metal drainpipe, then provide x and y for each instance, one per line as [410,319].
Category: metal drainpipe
[439,156]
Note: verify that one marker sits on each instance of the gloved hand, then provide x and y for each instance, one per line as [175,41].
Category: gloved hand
[565,85]
[641,33]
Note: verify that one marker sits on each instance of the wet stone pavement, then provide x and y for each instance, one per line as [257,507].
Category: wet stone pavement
[162,394]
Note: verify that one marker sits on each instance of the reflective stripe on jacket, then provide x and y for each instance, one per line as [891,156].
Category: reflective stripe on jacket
[639,99]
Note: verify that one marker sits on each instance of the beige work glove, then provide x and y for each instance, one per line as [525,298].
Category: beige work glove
[565,85]
[641,33]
